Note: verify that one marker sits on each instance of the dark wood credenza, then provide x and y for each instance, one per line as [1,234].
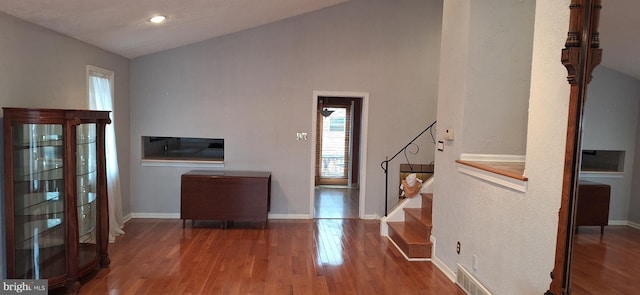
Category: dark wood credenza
[225,195]
[593,204]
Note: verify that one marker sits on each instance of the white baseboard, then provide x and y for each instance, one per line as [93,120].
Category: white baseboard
[289,216]
[444,268]
[371,216]
[618,222]
[625,222]
[156,215]
[126,218]
[589,174]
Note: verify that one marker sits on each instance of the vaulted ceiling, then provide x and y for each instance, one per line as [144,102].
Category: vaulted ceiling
[619,39]
[122,26]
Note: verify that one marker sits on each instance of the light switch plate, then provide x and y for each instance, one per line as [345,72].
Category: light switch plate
[440,145]
[301,136]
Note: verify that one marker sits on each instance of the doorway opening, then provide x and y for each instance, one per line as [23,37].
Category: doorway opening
[338,150]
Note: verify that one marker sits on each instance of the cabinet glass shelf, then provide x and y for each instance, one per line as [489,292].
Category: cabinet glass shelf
[41,203]
[42,233]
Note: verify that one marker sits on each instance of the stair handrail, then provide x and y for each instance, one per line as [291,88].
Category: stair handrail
[385,165]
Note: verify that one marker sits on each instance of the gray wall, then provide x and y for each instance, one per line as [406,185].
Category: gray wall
[498,78]
[42,69]
[254,89]
[610,123]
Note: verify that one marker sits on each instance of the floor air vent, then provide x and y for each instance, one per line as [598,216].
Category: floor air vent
[469,284]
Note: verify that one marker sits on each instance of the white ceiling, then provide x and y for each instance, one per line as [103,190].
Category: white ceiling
[121,26]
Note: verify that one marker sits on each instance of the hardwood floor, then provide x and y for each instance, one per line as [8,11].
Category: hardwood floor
[336,202]
[322,256]
[607,264]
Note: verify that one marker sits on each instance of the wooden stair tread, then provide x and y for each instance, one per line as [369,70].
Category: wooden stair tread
[421,214]
[409,240]
[408,234]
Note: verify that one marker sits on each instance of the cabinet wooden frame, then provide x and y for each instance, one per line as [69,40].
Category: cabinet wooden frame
[69,120]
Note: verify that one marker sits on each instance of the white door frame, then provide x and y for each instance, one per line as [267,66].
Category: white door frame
[363,145]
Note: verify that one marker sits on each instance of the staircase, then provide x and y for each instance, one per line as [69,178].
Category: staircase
[408,225]
[412,236]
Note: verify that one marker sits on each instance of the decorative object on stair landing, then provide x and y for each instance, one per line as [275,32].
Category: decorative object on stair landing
[411,186]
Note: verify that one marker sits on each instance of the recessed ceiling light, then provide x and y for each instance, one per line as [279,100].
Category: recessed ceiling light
[158,19]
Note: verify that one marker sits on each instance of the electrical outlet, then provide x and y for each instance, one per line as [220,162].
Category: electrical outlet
[458,247]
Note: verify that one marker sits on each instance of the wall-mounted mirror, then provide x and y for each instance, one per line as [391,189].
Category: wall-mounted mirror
[602,166]
[602,257]
[580,56]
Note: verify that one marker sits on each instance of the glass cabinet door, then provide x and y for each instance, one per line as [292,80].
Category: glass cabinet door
[86,180]
[38,182]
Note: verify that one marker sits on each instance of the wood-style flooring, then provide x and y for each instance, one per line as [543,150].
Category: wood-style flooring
[336,202]
[323,256]
[606,264]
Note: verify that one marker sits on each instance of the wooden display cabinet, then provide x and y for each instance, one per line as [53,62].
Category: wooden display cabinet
[55,194]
